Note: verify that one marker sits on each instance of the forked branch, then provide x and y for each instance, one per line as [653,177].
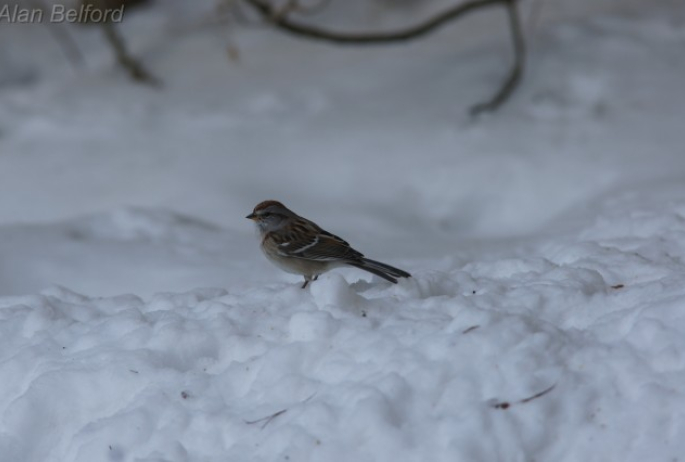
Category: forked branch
[281,19]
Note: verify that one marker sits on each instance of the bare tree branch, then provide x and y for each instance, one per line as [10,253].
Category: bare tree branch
[516,71]
[134,68]
[281,20]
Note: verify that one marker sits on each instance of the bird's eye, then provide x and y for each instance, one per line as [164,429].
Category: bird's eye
[266,215]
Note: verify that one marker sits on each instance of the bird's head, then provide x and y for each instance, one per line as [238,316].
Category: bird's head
[270,215]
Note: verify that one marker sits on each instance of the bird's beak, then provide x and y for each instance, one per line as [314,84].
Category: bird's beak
[251,216]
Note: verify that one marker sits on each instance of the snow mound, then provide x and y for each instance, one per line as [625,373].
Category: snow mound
[139,223]
[144,250]
[581,337]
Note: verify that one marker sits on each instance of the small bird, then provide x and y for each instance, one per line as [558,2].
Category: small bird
[300,246]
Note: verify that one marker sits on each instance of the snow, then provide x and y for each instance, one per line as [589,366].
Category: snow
[544,319]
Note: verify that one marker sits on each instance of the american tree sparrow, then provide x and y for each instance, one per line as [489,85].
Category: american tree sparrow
[299,246]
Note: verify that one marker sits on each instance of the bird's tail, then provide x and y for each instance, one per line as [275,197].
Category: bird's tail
[387,272]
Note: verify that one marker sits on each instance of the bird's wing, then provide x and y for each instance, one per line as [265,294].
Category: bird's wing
[323,246]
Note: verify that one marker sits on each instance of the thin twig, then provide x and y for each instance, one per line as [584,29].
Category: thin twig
[133,66]
[507,405]
[516,71]
[538,395]
[267,420]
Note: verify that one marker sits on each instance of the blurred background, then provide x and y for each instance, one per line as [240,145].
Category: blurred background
[111,184]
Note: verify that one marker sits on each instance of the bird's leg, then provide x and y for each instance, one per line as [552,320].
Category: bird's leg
[308,279]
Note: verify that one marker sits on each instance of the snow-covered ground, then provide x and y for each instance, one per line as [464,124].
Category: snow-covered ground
[546,317]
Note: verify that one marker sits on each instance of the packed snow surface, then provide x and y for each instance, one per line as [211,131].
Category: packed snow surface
[545,319]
